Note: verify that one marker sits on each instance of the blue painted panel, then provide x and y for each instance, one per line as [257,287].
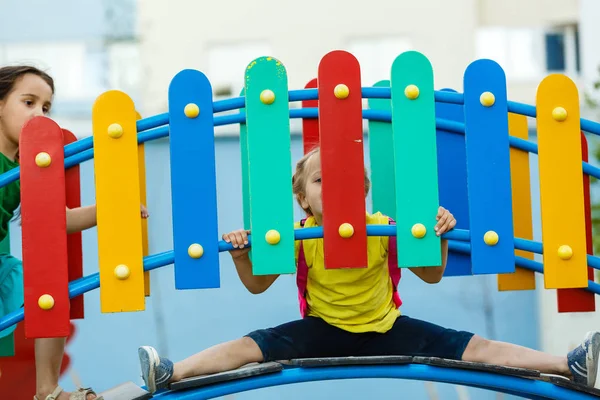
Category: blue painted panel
[193,181]
[245,173]
[452,177]
[488,168]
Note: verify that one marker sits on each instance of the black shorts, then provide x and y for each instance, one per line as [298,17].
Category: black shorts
[312,337]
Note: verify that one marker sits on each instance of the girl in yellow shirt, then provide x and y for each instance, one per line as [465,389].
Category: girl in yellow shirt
[354,312]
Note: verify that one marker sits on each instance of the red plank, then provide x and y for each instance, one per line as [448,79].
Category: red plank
[342,161]
[74,244]
[44,229]
[580,300]
[310,126]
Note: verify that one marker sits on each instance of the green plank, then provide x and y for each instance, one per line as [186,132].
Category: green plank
[270,167]
[415,150]
[381,151]
[7,343]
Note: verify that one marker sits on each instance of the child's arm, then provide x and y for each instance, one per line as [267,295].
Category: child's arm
[82,218]
[433,274]
[254,283]
[446,222]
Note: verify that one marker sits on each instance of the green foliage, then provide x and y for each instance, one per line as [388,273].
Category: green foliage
[592,102]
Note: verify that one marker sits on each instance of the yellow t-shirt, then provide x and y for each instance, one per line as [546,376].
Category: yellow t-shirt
[354,299]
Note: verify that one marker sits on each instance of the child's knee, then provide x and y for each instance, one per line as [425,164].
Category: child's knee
[476,349]
[250,347]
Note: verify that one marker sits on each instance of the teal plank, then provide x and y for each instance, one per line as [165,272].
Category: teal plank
[269,167]
[381,152]
[415,150]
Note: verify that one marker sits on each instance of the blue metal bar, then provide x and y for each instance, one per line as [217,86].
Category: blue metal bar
[495,382]
[150,130]
[526,263]
[456,237]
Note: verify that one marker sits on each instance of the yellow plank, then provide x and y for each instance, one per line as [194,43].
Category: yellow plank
[561,186]
[118,203]
[142,167]
[521,279]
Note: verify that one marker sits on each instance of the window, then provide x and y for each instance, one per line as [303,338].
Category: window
[227,65]
[517,50]
[530,53]
[376,56]
[226,70]
[562,49]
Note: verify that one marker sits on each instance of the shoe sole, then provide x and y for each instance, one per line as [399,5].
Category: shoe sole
[591,355]
[153,361]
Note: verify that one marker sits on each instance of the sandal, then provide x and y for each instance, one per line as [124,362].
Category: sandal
[80,394]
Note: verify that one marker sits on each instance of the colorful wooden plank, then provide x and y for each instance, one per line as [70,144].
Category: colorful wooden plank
[43,204]
[269,167]
[521,279]
[7,338]
[310,126]
[581,300]
[342,161]
[561,185]
[415,150]
[193,181]
[381,152]
[143,199]
[74,243]
[488,169]
[452,180]
[245,174]
[120,251]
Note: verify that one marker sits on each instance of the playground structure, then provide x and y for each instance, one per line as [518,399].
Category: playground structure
[449,148]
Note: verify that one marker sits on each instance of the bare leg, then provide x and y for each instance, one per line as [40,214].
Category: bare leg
[511,355]
[222,357]
[48,359]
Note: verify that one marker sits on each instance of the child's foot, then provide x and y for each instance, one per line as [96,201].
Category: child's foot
[156,371]
[583,360]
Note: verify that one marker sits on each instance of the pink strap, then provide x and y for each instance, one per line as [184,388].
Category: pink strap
[395,272]
[301,277]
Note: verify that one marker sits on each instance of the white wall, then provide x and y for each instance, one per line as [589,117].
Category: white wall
[298,34]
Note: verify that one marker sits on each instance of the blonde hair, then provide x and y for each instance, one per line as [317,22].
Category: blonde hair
[299,178]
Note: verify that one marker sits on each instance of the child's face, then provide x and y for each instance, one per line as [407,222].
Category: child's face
[31,97]
[311,198]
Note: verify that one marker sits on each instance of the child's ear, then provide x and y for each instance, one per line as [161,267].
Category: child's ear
[302,201]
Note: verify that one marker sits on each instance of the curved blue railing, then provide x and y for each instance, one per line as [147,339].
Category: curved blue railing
[525,387]
[158,121]
[157,127]
[458,242]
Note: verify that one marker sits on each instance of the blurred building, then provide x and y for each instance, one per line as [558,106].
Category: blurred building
[528,38]
[88,47]
[92,46]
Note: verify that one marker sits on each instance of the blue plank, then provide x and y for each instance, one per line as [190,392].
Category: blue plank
[488,169]
[245,174]
[193,182]
[452,177]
